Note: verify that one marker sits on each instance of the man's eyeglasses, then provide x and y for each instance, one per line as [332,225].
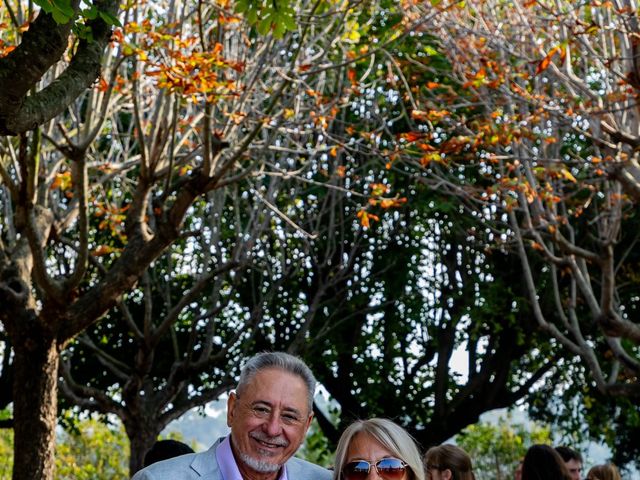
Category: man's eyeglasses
[387,468]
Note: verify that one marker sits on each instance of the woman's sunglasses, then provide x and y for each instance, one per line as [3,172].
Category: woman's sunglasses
[387,468]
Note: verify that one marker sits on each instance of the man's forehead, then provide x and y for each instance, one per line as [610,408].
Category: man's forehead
[276,386]
[272,374]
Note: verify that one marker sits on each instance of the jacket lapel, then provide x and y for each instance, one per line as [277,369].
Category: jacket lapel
[205,464]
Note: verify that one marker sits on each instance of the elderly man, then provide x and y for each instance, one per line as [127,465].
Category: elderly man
[269,415]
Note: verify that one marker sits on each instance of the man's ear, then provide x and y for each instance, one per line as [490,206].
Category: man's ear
[446,474]
[231,405]
[308,423]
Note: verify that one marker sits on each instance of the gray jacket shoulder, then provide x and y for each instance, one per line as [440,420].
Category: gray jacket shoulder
[298,469]
[185,467]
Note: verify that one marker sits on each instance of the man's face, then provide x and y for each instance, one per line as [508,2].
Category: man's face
[269,419]
[575,469]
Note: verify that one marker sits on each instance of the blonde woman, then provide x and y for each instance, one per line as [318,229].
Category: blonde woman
[604,472]
[377,449]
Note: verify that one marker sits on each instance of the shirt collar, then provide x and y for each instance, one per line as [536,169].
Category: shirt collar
[229,467]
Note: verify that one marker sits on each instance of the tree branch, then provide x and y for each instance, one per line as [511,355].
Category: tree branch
[19,114]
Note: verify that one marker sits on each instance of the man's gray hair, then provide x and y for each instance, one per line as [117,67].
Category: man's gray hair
[281,361]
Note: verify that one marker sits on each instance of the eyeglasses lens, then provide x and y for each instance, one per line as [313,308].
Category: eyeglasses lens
[356,471]
[391,468]
[388,468]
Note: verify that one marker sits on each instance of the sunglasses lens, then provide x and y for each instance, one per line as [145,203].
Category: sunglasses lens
[391,468]
[356,471]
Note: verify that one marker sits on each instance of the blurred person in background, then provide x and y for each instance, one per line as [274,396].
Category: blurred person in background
[165,449]
[573,460]
[517,474]
[543,462]
[607,471]
[448,462]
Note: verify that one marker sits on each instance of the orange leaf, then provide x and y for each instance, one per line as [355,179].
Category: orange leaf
[430,157]
[543,65]
[546,61]
[419,115]
[117,36]
[103,250]
[412,136]
[392,202]
[62,181]
[378,189]
[102,85]
[537,246]
[365,218]
[426,147]
[7,50]
[567,175]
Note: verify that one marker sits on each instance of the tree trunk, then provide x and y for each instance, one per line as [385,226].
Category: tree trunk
[141,439]
[35,405]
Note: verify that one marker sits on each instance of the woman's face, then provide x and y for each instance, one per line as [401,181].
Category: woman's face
[436,472]
[364,447]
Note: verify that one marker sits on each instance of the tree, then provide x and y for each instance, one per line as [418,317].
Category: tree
[392,337]
[6,451]
[101,189]
[92,449]
[423,285]
[496,449]
[6,379]
[533,126]
[88,449]
[27,225]
[575,409]
[40,48]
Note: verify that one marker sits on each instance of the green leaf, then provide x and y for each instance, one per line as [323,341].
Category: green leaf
[289,22]
[109,18]
[90,13]
[61,10]
[252,15]
[46,5]
[264,25]
[60,17]
[242,6]
[429,50]
[65,7]
[279,29]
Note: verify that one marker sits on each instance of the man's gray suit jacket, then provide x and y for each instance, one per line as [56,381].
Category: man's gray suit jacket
[204,466]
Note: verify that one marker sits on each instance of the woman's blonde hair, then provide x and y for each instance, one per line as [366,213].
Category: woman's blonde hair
[450,457]
[604,472]
[390,435]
